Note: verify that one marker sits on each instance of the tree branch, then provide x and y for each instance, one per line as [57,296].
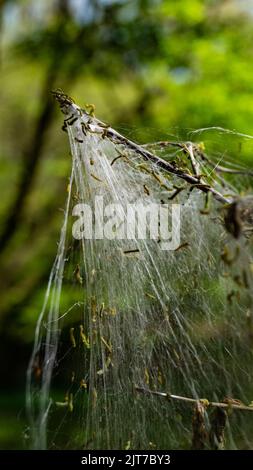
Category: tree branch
[169,396]
[70,109]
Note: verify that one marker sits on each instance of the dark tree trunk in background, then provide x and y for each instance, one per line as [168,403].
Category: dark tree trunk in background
[33,152]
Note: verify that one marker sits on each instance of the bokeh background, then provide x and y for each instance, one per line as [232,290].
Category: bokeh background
[153,68]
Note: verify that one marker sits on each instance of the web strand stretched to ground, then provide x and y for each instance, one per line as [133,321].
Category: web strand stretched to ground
[125,316]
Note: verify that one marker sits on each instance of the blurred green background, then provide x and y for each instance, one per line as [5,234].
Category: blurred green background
[153,68]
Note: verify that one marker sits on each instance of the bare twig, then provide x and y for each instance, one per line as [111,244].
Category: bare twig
[94,125]
[169,396]
[216,167]
[164,143]
[195,164]
[193,180]
[222,169]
